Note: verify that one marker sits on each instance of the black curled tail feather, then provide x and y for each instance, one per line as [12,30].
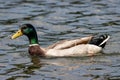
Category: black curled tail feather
[100,40]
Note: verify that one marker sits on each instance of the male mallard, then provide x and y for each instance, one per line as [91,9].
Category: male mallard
[79,47]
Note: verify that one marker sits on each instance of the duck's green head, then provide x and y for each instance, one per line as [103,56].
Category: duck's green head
[29,31]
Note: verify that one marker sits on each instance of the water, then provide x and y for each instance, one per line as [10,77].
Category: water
[58,20]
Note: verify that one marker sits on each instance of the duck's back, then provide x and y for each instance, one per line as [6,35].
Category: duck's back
[79,50]
[65,44]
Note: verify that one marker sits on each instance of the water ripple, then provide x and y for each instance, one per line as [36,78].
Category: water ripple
[57,20]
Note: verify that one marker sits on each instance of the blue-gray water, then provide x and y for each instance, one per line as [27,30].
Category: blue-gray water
[58,20]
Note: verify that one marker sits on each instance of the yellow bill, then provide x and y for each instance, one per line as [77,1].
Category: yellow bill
[17,34]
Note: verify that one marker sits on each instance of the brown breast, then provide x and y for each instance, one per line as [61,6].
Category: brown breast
[36,50]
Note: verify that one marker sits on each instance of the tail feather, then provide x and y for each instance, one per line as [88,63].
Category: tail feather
[100,40]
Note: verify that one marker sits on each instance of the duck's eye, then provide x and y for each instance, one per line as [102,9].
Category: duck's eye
[24,27]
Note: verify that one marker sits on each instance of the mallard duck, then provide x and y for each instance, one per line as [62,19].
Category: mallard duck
[85,46]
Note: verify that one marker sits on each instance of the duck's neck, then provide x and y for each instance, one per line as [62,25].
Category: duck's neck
[33,39]
[34,48]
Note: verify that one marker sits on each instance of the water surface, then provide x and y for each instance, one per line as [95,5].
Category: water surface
[58,20]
